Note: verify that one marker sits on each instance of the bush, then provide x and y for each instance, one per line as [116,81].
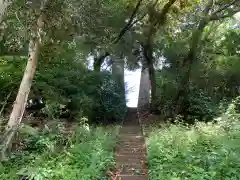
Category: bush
[206,151]
[87,155]
[200,106]
[91,94]
[69,89]
[166,92]
[109,100]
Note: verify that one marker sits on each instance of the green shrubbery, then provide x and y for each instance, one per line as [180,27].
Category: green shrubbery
[200,106]
[68,84]
[204,151]
[78,154]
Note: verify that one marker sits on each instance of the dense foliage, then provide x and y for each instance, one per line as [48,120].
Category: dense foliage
[213,79]
[204,151]
[87,91]
[60,152]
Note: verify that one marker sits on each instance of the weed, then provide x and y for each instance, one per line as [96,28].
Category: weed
[205,151]
[87,156]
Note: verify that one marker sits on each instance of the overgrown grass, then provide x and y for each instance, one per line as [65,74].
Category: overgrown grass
[206,151]
[86,155]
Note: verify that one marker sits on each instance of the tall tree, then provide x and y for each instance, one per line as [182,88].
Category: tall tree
[25,86]
[212,12]
[3,8]
[156,19]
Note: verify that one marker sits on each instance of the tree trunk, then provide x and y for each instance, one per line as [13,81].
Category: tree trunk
[96,65]
[156,20]
[152,77]
[23,92]
[183,89]
[98,62]
[184,83]
[148,54]
[3,8]
[195,46]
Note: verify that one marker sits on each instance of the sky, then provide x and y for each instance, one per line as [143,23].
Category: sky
[131,79]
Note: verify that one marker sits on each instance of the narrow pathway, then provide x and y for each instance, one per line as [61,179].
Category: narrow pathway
[131,154]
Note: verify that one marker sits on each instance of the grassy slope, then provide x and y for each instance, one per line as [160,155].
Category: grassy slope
[207,152]
[86,156]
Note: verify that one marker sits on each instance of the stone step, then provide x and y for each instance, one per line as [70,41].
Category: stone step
[130,132]
[132,155]
[126,141]
[132,138]
[127,146]
[134,171]
[138,143]
[131,161]
[127,157]
[135,164]
[126,136]
[131,150]
[132,177]
[130,142]
[131,128]
[131,165]
[134,123]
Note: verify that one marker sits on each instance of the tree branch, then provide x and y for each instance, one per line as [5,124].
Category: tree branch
[224,7]
[161,16]
[129,24]
[137,20]
[167,7]
[218,17]
[197,34]
[5,102]
[208,7]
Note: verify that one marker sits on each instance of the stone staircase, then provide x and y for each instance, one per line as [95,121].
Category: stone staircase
[131,154]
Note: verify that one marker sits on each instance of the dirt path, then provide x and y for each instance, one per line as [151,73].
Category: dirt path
[131,154]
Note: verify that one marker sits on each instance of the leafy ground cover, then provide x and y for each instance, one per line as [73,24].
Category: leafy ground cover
[80,154]
[205,151]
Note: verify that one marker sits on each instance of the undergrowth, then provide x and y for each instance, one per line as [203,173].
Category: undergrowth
[82,154]
[204,151]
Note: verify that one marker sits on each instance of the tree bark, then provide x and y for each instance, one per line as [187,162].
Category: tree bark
[23,92]
[156,19]
[98,62]
[3,8]
[184,83]
[152,76]
[130,23]
[148,54]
